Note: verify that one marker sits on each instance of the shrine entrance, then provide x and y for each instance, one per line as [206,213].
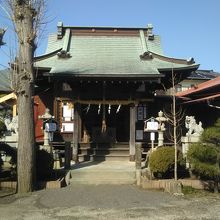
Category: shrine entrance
[106,123]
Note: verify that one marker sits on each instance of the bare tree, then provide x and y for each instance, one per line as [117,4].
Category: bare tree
[175,117]
[26,16]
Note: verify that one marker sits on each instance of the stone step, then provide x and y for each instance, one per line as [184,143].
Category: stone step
[102,151]
[101,176]
[107,150]
[92,157]
[103,182]
[112,151]
[111,157]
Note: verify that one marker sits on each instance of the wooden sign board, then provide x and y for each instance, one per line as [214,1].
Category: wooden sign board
[151,126]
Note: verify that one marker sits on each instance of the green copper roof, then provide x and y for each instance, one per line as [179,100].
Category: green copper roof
[5,80]
[106,55]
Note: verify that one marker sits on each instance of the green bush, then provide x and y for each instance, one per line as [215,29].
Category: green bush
[204,160]
[161,162]
[211,135]
[44,164]
[204,157]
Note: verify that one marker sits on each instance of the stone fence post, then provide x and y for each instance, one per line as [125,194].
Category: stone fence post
[138,157]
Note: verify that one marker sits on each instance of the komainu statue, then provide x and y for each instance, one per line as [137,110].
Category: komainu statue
[12,124]
[194,129]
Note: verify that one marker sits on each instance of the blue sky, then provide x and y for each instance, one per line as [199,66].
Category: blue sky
[188,28]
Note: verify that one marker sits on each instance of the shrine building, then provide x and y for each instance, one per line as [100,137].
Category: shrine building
[100,83]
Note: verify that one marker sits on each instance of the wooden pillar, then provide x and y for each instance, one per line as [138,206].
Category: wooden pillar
[80,123]
[132,133]
[67,155]
[14,110]
[76,132]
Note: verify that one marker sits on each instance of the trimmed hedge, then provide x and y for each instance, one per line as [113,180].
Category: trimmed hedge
[161,162]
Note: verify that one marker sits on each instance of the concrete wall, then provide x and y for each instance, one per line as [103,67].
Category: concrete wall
[161,184]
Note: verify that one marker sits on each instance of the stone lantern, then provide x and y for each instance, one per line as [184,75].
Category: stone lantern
[49,128]
[161,128]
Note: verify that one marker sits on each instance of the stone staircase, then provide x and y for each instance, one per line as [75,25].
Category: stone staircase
[105,172]
[104,152]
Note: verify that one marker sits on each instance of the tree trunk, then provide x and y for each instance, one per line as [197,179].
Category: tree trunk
[24,87]
[25,160]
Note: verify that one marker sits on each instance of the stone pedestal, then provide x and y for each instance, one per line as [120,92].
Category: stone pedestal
[186,141]
[160,138]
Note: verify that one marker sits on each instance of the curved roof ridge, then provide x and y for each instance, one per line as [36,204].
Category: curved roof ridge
[47,55]
[169,59]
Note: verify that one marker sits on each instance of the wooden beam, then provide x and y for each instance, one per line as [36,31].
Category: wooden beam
[8,97]
[112,102]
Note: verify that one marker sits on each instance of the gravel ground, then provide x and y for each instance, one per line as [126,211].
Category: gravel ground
[108,202]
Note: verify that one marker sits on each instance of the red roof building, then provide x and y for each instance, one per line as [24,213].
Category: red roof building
[203,101]
[207,91]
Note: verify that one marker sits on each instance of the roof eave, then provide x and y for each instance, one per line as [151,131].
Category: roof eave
[114,75]
[190,67]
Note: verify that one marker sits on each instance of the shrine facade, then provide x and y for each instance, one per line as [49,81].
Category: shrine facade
[100,83]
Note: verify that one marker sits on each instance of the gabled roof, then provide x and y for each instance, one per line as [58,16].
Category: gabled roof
[202,87]
[5,80]
[102,51]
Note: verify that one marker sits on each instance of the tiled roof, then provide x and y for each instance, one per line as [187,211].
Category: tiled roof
[203,74]
[103,54]
[5,80]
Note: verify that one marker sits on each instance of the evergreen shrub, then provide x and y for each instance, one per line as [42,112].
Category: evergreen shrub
[161,162]
[204,157]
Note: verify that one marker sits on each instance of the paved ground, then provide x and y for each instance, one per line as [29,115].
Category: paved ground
[107,202]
